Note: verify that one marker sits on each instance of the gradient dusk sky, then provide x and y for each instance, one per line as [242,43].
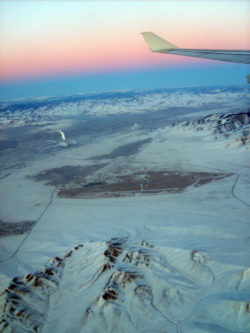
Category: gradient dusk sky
[66,47]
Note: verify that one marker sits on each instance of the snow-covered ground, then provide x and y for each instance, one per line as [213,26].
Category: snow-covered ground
[169,262]
[20,113]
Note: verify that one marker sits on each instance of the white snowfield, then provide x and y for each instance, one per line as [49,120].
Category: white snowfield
[169,262]
[133,103]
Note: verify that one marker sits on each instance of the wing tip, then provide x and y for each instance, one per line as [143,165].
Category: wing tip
[156,43]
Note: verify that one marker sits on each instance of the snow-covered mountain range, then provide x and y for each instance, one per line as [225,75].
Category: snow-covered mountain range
[26,112]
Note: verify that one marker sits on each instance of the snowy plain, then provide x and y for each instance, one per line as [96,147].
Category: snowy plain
[167,262]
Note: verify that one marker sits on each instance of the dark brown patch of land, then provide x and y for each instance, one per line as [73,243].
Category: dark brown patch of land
[144,183]
[66,174]
[124,150]
[15,228]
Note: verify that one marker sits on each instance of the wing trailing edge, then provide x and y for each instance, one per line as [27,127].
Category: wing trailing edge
[158,44]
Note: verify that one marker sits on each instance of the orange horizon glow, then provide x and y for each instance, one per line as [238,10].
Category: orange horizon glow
[66,58]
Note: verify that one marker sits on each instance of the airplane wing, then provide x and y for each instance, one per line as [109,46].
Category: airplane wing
[158,44]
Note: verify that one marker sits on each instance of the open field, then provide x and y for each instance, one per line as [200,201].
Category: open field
[143,183]
[15,228]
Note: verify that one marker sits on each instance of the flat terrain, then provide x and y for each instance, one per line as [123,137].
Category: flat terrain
[143,183]
[18,228]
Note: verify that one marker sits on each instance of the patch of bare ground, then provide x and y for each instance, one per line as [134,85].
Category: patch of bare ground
[66,174]
[143,183]
[15,228]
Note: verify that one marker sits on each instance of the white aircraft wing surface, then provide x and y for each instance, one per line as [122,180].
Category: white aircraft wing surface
[158,44]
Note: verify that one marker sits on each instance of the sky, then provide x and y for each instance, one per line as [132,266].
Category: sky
[50,48]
